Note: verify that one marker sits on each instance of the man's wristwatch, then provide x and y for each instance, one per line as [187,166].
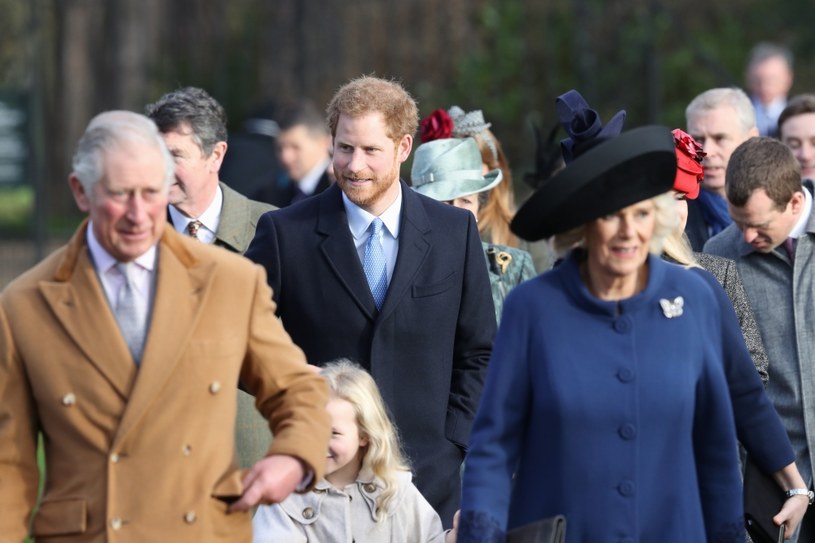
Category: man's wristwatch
[801,492]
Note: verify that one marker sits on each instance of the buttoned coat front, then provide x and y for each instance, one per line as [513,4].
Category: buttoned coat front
[143,454]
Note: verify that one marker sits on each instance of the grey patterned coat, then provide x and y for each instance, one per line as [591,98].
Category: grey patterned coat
[726,272]
[508,267]
[782,295]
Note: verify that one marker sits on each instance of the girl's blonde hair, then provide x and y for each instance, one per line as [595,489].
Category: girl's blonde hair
[677,248]
[383,454]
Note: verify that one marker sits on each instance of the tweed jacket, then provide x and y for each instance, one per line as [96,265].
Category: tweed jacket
[239,219]
[143,453]
[727,274]
[347,515]
[782,295]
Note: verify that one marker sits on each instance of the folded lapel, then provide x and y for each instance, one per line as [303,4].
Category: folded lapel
[414,247]
[181,287]
[80,305]
[339,250]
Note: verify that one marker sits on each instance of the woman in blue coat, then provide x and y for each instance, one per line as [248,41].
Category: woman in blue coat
[605,399]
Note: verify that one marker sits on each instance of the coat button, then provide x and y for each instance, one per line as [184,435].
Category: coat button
[625,375]
[369,488]
[214,387]
[622,325]
[186,450]
[69,399]
[308,513]
[190,517]
[628,431]
[626,488]
[115,458]
[116,523]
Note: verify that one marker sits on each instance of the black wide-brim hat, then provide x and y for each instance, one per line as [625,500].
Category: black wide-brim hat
[616,173]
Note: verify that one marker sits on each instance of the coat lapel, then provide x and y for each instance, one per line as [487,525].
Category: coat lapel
[80,305]
[182,284]
[414,247]
[339,251]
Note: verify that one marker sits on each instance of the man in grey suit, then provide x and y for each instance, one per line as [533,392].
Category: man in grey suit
[772,240]
[193,125]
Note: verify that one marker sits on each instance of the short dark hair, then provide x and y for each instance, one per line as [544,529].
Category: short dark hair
[762,163]
[798,105]
[766,50]
[195,107]
[302,113]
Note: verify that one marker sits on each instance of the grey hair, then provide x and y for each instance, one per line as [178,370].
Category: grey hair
[666,222]
[725,96]
[195,108]
[108,131]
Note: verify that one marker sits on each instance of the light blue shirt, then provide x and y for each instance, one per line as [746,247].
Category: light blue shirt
[359,222]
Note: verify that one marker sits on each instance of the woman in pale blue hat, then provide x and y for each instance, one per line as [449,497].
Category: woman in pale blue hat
[449,170]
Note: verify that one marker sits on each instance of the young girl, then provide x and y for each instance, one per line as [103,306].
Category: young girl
[367,494]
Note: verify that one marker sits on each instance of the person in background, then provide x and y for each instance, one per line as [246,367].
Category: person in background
[367,493]
[303,147]
[769,78]
[129,370]
[193,125]
[796,129]
[758,427]
[449,170]
[720,120]
[771,240]
[613,350]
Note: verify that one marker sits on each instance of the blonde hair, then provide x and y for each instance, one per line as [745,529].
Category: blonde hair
[368,94]
[666,223]
[383,454]
[677,248]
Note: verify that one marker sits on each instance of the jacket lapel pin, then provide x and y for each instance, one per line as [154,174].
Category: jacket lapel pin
[672,308]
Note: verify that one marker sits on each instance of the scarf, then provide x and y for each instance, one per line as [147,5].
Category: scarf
[714,210]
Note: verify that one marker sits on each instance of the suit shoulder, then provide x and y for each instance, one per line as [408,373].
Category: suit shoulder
[725,243]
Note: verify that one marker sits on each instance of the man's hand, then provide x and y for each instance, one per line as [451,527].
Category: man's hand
[270,480]
[792,512]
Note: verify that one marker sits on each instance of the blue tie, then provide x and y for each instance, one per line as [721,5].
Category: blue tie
[375,265]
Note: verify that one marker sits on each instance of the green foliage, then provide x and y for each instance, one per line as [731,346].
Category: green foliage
[16,208]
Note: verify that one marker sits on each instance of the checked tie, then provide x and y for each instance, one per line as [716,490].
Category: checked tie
[375,265]
[131,321]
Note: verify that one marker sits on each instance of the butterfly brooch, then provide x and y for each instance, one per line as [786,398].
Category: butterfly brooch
[672,308]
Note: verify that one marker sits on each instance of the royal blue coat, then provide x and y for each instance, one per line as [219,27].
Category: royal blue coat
[610,413]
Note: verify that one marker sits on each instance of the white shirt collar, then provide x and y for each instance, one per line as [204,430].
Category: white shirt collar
[210,218]
[360,220]
[104,261]
[310,181]
[800,227]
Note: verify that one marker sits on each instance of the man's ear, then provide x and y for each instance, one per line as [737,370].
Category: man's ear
[797,202]
[403,147]
[216,157]
[82,199]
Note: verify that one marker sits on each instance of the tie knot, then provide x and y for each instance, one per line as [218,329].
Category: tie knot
[376,226]
[126,269]
[193,227]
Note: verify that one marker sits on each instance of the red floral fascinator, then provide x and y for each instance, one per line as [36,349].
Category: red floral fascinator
[689,169]
[436,126]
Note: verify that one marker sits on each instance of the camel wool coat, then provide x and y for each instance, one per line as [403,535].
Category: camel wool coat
[137,454]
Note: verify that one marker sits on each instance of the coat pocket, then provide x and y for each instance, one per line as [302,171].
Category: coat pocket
[64,516]
[422,291]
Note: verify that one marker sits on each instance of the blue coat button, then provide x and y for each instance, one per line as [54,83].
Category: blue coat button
[622,325]
[626,488]
[625,375]
[628,431]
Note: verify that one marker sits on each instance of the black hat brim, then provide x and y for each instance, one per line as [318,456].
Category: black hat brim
[634,166]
